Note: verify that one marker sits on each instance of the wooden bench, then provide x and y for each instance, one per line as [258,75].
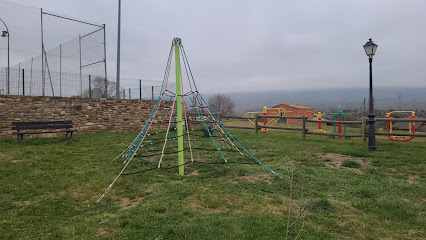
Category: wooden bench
[23,128]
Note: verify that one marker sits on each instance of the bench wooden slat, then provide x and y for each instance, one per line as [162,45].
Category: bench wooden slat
[41,127]
[19,133]
[40,123]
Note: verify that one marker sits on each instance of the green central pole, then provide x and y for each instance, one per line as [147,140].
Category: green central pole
[176,43]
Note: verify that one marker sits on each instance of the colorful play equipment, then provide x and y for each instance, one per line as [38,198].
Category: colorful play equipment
[319,116]
[339,116]
[149,145]
[267,111]
[411,126]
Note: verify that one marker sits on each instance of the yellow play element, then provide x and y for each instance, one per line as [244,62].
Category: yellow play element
[319,116]
[267,111]
[411,128]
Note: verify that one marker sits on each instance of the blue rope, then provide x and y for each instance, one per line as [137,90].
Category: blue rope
[201,97]
[157,104]
[202,121]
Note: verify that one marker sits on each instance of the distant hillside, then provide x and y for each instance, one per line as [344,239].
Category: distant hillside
[347,97]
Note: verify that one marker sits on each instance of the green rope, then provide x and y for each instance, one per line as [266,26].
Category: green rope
[202,121]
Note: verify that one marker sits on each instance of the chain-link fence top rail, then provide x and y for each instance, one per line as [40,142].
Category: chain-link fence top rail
[50,47]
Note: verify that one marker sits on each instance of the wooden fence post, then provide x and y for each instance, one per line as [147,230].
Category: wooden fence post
[364,128]
[255,123]
[303,127]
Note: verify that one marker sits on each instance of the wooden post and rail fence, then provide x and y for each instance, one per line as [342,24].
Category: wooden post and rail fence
[258,121]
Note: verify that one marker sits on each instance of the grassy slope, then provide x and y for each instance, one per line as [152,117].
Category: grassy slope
[49,187]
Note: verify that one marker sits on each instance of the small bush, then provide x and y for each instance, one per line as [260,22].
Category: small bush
[365,192]
[351,164]
[321,205]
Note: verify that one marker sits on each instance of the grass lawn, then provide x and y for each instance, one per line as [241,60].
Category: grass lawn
[49,188]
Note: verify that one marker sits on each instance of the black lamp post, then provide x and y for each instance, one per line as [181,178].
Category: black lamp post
[6,34]
[370,49]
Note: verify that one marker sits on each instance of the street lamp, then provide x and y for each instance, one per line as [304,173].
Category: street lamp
[370,49]
[6,34]
[117,84]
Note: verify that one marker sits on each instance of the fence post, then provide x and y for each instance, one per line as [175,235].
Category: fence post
[152,93]
[130,96]
[256,120]
[90,86]
[219,114]
[60,70]
[303,127]
[19,78]
[23,82]
[124,94]
[364,129]
[140,88]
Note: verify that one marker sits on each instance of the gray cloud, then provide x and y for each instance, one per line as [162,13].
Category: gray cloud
[264,45]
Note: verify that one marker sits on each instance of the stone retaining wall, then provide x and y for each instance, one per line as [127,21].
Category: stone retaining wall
[88,115]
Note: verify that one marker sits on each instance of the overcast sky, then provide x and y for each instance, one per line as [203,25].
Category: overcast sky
[245,45]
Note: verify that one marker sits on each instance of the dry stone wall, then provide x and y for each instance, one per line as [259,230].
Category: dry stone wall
[88,115]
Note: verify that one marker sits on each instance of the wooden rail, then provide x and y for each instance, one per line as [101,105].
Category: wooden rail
[258,120]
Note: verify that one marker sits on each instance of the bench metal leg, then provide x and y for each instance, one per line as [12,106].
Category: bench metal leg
[69,132]
[20,136]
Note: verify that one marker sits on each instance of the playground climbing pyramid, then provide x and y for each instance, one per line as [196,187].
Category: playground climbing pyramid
[181,129]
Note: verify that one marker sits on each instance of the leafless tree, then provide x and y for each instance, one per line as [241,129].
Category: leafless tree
[301,212]
[101,88]
[221,104]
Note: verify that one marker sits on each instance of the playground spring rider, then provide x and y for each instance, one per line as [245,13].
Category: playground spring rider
[339,116]
[411,126]
[319,116]
[267,111]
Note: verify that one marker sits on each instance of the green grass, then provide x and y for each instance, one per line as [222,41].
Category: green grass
[49,188]
[351,164]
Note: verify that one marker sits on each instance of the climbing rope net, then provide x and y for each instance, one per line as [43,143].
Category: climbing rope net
[156,144]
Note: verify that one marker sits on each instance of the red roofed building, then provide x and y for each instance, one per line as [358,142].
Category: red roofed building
[296,110]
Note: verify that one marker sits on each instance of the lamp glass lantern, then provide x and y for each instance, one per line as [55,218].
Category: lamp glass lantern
[370,48]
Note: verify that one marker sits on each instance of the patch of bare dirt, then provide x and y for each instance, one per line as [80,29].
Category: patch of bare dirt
[349,210]
[271,209]
[77,193]
[126,203]
[22,204]
[334,160]
[412,179]
[101,232]
[208,203]
[199,207]
[194,173]
[16,161]
[265,177]
[62,193]
[416,232]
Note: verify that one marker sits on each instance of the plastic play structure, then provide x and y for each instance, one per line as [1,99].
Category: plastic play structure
[178,143]
[267,111]
[411,126]
[339,116]
[319,116]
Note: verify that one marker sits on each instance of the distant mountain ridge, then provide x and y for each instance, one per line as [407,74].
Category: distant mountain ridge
[347,97]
